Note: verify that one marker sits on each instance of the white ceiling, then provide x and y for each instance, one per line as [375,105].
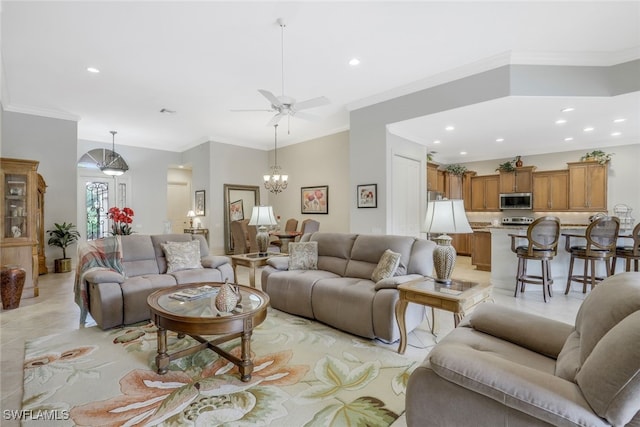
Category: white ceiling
[203,59]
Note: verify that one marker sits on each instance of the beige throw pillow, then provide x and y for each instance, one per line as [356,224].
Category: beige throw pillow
[387,265]
[182,255]
[303,256]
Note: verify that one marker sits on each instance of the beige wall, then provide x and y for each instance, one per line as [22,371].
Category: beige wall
[321,161]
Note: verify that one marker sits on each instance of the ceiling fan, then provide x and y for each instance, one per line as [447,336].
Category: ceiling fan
[285,105]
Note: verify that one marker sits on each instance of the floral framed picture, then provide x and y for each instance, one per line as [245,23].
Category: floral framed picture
[367,196]
[200,204]
[236,211]
[314,200]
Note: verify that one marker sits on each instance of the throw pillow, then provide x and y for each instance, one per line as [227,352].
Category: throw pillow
[303,256]
[182,255]
[387,265]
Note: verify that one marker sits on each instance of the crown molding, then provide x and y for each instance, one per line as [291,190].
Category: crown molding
[43,112]
[602,59]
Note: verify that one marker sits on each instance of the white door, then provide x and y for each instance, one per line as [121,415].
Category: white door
[96,194]
[405,196]
[178,204]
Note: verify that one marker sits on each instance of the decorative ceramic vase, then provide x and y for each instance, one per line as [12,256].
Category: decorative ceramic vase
[226,300]
[12,283]
[518,162]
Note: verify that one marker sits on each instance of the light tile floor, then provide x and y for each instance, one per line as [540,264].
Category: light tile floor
[54,311]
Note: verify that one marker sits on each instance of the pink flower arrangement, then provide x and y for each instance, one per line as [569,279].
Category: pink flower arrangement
[122,220]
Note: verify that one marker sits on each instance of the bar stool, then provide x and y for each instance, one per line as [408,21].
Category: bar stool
[601,236]
[629,253]
[542,245]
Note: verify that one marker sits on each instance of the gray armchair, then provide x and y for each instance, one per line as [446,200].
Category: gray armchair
[503,367]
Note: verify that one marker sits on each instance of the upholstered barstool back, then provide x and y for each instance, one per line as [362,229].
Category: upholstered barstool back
[601,237]
[541,245]
[629,252]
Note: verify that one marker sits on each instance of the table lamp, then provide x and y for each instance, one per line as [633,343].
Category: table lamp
[262,216]
[191,215]
[445,216]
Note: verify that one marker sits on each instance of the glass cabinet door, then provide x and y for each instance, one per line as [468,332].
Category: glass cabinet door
[15,206]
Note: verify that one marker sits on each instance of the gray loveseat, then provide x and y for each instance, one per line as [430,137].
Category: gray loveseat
[503,367]
[341,293]
[115,299]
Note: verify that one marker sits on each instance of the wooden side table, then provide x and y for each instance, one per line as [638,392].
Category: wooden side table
[203,231]
[459,297]
[251,260]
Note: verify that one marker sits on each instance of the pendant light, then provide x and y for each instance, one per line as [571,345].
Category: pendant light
[275,181]
[114,164]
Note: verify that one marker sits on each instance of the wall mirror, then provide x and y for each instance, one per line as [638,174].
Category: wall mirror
[239,201]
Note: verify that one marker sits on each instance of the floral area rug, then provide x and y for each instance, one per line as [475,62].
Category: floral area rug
[305,374]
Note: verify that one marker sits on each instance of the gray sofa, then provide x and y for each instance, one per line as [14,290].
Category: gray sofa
[503,367]
[341,293]
[115,299]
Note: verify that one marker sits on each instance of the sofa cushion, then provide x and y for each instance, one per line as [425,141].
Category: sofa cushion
[182,255]
[290,291]
[609,377]
[303,256]
[334,250]
[138,255]
[621,294]
[368,249]
[568,363]
[387,266]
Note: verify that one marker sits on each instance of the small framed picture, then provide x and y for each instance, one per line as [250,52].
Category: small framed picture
[236,211]
[368,196]
[200,204]
[314,200]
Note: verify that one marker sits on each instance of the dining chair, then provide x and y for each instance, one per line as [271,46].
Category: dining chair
[239,238]
[601,237]
[308,226]
[629,253]
[291,225]
[541,245]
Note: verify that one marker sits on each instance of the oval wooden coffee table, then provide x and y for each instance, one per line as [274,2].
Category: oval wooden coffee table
[200,317]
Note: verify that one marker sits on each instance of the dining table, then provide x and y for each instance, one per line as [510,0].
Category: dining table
[286,237]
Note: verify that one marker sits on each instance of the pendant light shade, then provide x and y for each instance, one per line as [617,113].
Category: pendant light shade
[113,164]
[275,181]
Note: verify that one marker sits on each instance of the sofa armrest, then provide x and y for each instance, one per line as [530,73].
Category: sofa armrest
[536,333]
[279,262]
[103,276]
[532,391]
[214,261]
[394,281]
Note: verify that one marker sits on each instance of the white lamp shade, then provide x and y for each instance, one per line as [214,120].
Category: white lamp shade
[191,214]
[447,216]
[262,215]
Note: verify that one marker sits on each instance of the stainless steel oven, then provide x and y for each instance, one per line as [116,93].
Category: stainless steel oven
[516,201]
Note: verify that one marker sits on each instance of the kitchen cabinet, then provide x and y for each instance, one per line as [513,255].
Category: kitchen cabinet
[453,186]
[462,243]
[485,193]
[466,189]
[518,181]
[551,190]
[441,179]
[587,186]
[19,219]
[432,177]
[481,251]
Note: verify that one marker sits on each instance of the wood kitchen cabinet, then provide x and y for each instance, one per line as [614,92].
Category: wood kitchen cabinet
[485,193]
[453,186]
[518,181]
[19,219]
[551,190]
[432,177]
[462,243]
[481,251]
[587,186]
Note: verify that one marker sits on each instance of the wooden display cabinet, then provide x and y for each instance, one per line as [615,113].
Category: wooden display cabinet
[19,238]
[587,186]
[551,190]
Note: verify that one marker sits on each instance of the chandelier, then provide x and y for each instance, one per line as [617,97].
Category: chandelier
[113,164]
[275,181]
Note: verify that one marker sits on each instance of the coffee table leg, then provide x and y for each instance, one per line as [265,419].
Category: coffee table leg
[401,308]
[246,365]
[162,358]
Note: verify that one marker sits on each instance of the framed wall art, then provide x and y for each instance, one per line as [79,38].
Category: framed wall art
[368,196]
[200,203]
[236,211]
[314,200]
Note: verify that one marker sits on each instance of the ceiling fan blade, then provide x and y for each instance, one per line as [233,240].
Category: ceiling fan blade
[306,116]
[275,119]
[311,103]
[271,97]
[241,110]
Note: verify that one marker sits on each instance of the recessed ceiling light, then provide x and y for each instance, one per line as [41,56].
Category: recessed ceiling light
[437,141]
[588,129]
[462,153]
[569,138]
[620,120]
[354,61]
[449,128]
[499,139]
[616,133]
[567,110]
[561,121]
[93,70]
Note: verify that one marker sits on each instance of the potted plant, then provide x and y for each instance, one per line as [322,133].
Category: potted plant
[63,236]
[596,155]
[456,169]
[506,166]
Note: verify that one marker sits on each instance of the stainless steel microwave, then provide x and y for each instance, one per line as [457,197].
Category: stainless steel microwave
[516,201]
